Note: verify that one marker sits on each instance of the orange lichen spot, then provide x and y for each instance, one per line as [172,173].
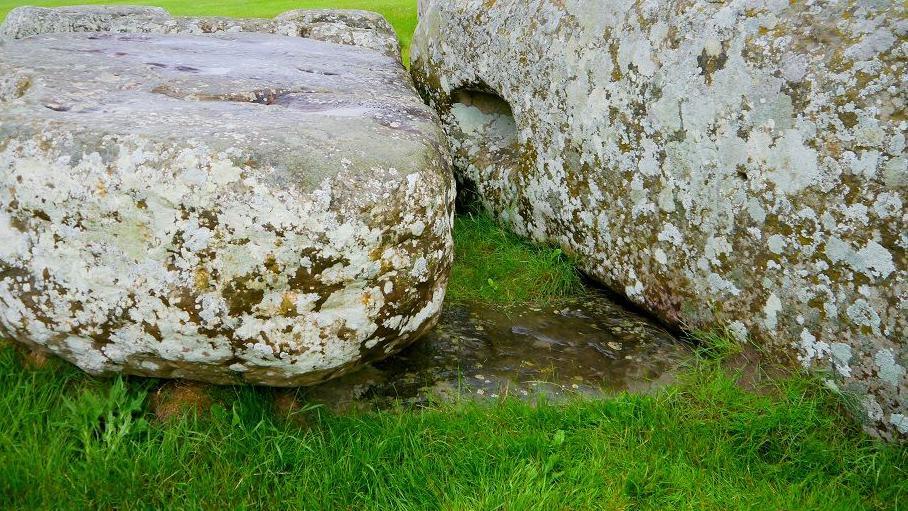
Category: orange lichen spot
[288,304]
[178,397]
[202,279]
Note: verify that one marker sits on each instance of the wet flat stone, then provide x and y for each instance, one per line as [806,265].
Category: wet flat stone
[590,347]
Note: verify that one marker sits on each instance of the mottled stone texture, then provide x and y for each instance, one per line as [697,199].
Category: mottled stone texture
[228,208]
[734,164]
[349,27]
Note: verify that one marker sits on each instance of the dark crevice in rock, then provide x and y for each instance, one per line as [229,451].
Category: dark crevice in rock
[484,97]
[483,133]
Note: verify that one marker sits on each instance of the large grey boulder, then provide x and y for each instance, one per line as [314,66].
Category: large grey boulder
[735,164]
[351,27]
[228,208]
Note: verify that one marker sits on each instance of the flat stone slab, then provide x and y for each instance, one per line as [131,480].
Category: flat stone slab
[228,208]
[341,26]
[590,347]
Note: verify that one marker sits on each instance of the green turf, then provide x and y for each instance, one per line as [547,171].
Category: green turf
[496,267]
[69,441]
[401,13]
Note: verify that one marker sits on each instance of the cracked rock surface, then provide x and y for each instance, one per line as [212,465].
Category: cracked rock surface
[229,208]
[341,26]
[736,164]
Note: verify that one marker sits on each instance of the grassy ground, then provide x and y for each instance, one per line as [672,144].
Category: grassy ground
[69,441]
[496,267]
[401,13]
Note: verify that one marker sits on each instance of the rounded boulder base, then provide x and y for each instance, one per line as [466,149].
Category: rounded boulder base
[226,208]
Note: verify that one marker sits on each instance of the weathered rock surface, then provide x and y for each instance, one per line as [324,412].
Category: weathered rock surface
[349,27]
[736,164]
[228,208]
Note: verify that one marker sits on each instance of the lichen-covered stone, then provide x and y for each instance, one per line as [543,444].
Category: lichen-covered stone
[228,208]
[734,164]
[350,27]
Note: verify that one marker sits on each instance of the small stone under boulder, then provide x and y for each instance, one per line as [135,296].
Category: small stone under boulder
[351,27]
[229,208]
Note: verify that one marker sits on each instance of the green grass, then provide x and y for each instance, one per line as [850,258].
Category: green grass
[496,267]
[400,13]
[716,344]
[69,441]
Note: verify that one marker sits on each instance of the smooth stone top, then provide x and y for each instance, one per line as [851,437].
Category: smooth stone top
[284,99]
